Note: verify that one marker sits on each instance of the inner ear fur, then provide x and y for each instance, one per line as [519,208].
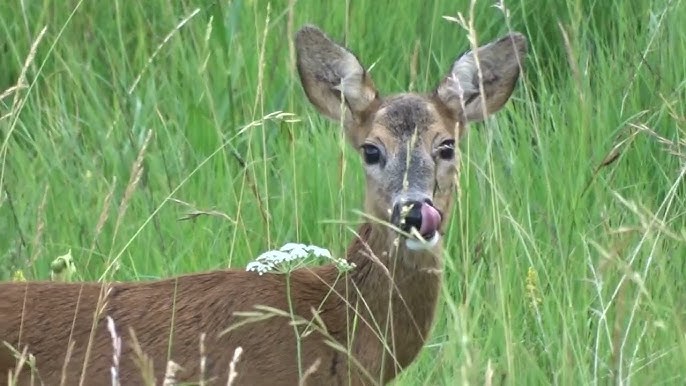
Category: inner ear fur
[334,80]
[500,62]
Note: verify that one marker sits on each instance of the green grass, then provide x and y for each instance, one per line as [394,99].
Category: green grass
[606,240]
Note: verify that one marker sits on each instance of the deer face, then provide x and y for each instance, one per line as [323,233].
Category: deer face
[408,141]
[409,157]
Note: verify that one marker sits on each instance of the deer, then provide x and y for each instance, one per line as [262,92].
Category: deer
[374,319]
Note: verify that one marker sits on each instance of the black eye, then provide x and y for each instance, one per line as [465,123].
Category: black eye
[447,150]
[372,154]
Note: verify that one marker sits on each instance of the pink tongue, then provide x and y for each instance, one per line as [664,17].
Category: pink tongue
[431,219]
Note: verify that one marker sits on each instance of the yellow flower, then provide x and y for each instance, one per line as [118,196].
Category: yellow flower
[18,275]
[532,291]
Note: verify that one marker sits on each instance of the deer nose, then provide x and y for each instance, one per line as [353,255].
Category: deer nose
[420,215]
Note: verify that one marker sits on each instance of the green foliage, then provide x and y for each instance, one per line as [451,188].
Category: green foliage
[565,261]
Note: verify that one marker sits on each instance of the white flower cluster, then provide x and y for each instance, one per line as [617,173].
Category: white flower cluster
[288,256]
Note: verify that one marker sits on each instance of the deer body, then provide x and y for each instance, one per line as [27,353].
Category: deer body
[168,316]
[375,318]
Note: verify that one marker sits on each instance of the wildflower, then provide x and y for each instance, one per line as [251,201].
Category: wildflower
[18,275]
[62,268]
[292,255]
[532,291]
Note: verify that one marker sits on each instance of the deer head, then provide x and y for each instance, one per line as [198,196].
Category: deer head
[408,141]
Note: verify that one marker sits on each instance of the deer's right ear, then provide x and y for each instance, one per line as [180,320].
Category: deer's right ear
[500,62]
[334,80]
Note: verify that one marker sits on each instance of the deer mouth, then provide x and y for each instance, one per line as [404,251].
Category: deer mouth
[430,221]
[429,228]
[421,220]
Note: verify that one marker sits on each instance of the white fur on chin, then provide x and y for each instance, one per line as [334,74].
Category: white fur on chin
[417,245]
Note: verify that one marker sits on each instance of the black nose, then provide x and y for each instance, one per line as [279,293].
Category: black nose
[408,214]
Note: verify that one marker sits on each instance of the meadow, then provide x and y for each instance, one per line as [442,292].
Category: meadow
[155,138]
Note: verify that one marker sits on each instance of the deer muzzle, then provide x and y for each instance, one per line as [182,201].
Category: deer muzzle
[420,215]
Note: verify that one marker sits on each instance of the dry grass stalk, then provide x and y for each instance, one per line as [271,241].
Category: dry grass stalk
[232,366]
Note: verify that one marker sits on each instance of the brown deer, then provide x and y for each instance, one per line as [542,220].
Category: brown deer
[368,324]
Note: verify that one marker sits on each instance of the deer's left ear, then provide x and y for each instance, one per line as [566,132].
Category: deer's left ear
[328,72]
[500,62]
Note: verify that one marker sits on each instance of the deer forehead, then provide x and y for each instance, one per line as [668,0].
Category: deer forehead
[408,119]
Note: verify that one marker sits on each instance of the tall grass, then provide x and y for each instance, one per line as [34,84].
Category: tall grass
[565,260]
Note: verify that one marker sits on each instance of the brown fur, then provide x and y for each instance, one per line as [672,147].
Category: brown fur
[381,313]
[205,303]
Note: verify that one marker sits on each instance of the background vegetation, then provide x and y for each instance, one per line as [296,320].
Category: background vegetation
[566,254]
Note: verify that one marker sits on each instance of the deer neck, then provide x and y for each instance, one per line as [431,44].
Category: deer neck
[394,291]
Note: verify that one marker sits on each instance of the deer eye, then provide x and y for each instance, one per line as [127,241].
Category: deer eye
[372,154]
[446,150]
